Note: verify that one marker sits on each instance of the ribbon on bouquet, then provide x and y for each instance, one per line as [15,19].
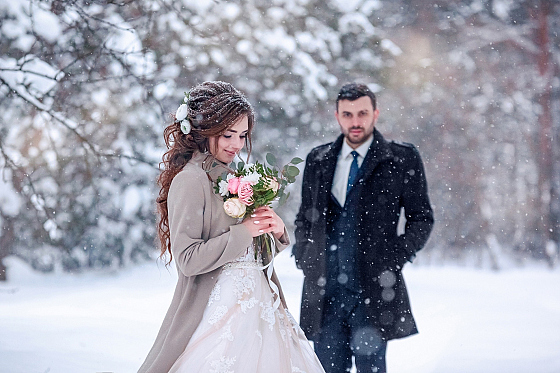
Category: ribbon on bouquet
[269,270]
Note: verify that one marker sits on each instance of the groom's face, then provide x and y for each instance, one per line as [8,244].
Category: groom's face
[356,119]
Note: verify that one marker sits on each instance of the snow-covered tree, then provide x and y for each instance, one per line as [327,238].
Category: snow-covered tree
[475,88]
[87,88]
[78,141]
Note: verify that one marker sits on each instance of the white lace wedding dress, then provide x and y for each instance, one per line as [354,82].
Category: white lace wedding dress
[245,328]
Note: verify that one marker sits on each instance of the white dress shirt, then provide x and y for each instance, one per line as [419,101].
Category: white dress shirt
[342,170]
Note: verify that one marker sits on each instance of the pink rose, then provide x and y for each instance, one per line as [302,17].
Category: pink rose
[245,193]
[233,185]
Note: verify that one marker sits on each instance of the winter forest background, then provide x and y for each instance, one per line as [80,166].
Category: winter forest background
[86,88]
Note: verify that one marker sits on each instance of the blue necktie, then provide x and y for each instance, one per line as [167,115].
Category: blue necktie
[353,171]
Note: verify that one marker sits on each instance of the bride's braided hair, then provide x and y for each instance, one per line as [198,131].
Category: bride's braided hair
[213,107]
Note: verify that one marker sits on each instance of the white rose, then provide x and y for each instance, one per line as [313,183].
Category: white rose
[253,178]
[234,208]
[181,112]
[223,185]
[271,183]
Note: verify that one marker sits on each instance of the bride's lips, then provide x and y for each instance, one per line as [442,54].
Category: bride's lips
[232,154]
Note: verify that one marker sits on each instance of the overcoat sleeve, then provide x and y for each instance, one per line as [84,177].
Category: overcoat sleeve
[305,213]
[418,211]
[189,206]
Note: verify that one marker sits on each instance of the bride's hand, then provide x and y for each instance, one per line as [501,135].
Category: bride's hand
[264,220]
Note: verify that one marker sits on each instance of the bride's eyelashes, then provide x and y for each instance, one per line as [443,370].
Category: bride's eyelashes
[230,136]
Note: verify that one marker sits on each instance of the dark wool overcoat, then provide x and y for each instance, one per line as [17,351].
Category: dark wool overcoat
[391,177]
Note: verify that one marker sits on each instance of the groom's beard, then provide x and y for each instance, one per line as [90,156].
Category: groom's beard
[358,139]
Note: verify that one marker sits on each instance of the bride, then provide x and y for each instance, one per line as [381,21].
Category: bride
[226,315]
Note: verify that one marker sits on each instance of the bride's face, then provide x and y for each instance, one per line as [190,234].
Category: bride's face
[227,145]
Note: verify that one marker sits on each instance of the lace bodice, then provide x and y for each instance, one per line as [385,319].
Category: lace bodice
[247,260]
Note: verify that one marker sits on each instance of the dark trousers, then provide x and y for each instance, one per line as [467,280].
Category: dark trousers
[346,332]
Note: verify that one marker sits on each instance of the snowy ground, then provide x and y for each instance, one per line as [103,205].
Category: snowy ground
[470,321]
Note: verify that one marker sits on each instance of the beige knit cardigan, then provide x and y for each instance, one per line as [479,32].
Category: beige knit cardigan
[203,239]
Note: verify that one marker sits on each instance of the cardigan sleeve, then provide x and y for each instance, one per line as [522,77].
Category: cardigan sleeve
[282,242]
[187,206]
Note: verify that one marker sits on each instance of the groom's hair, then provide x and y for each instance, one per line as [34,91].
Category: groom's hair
[353,91]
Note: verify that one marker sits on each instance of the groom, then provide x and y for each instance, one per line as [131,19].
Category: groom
[354,189]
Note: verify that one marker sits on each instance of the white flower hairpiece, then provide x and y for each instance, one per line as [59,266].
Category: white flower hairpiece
[181,115]
[185,126]
[181,112]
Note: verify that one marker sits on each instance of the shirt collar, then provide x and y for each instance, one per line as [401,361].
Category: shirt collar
[362,149]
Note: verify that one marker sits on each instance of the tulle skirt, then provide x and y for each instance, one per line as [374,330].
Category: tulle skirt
[243,331]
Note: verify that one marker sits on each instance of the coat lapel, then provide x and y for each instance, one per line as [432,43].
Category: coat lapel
[328,162]
[211,165]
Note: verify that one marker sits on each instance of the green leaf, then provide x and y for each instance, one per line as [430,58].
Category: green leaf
[267,244]
[283,199]
[292,171]
[271,159]
[240,165]
[296,160]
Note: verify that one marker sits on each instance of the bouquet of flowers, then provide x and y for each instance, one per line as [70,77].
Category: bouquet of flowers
[255,185]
